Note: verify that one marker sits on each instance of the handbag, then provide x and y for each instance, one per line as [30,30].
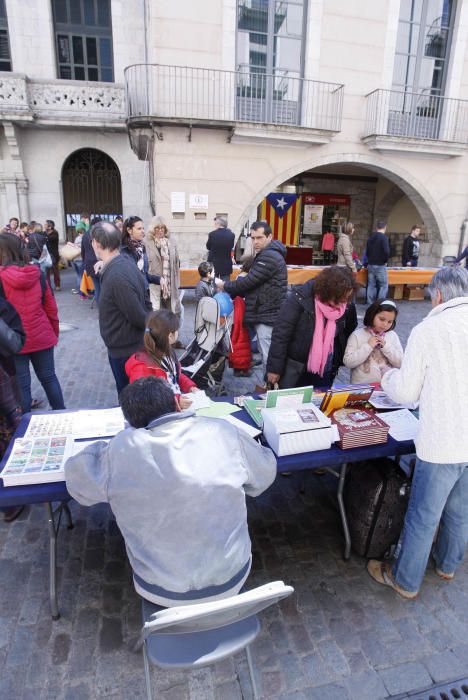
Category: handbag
[45,260]
[293,371]
[70,251]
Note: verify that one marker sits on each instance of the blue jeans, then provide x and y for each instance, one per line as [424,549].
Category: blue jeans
[117,365]
[78,267]
[43,363]
[263,342]
[377,283]
[439,493]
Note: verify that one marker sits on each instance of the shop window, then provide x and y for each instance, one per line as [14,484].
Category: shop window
[5,57]
[83,35]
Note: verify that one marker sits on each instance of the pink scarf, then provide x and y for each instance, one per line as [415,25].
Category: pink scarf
[324,335]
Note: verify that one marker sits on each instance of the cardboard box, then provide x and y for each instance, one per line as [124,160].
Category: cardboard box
[395,291]
[413,293]
[290,431]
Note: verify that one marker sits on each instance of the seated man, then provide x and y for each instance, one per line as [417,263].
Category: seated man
[176,484]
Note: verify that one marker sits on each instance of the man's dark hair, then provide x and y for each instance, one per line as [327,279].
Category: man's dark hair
[381,224]
[145,400]
[413,228]
[205,268]
[261,224]
[14,218]
[50,222]
[96,220]
[107,235]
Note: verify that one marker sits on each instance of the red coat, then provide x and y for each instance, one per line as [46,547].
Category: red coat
[141,365]
[22,288]
[240,356]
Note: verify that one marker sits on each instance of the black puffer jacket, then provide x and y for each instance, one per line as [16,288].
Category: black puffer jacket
[294,330]
[264,287]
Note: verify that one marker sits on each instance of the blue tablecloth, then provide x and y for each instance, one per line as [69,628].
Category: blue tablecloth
[57,491]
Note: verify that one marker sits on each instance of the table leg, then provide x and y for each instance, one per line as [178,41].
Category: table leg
[68,515]
[344,520]
[53,530]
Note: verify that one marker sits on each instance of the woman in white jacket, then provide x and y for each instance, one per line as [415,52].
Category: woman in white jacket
[376,346]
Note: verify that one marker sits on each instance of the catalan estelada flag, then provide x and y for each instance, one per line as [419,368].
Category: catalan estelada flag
[283,212]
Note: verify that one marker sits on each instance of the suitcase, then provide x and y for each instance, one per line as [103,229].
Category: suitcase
[376,498]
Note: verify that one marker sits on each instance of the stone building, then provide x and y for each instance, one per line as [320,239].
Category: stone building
[226,101]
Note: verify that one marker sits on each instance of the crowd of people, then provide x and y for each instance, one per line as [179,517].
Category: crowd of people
[303,336]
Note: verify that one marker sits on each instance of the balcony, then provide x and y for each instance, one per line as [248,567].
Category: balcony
[251,105]
[417,122]
[61,102]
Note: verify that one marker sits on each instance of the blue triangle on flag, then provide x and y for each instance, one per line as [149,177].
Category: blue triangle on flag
[281,201]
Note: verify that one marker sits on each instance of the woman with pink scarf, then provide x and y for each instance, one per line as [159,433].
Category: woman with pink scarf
[311,331]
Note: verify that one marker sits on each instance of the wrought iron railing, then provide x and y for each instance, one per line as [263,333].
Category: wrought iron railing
[205,95]
[416,115]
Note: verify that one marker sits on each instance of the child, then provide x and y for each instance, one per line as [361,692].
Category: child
[376,347]
[240,357]
[157,359]
[206,285]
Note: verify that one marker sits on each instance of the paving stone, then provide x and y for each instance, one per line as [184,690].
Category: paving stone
[445,666]
[406,677]
[366,686]
[110,637]
[331,691]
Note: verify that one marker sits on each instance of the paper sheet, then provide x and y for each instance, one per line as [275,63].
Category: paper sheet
[381,401]
[218,409]
[199,400]
[79,424]
[403,425]
[240,425]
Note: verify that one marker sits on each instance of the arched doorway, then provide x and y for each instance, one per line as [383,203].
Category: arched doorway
[91,183]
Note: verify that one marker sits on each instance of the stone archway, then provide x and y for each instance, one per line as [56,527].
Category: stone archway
[414,190]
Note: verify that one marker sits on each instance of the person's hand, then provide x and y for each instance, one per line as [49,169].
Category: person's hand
[163,285]
[374,341]
[381,342]
[273,378]
[98,266]
[184,403]
[194,388]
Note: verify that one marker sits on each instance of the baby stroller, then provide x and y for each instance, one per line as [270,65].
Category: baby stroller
[205,356]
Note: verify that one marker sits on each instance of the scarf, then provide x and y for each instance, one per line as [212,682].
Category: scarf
[137,249]
[163,245]
[324,335]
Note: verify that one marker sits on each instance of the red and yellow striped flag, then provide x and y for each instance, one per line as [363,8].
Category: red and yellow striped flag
[282,211]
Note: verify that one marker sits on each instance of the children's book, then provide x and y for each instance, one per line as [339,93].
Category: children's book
[359,426]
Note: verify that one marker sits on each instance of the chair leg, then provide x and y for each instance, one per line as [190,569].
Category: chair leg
[251,672]
[149,693]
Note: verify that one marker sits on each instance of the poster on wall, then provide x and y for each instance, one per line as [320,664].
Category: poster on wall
[313,216]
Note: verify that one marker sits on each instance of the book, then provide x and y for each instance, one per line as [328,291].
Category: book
[358,427]
[105,422]
[346,396]
[37,460]
[288,397]
[254,409]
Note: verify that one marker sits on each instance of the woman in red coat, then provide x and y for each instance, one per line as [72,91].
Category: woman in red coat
[32,298]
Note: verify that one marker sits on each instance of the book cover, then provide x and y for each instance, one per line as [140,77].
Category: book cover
[346,396]
[37,460]
[358,427]
[254,409]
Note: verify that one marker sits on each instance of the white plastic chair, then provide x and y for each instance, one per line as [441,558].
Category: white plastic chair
[191,636]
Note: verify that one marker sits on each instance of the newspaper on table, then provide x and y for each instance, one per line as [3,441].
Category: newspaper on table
[37,460]
[105,422]
[403,424]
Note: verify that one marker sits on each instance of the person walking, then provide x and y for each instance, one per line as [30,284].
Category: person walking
[264,287]
[344,248]
[220,244]
[122,301]
[53,248]
[410,253]
[433,372]
[26,288]
[377,255]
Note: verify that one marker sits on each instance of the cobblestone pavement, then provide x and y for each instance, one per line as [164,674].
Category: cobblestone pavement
[340,636]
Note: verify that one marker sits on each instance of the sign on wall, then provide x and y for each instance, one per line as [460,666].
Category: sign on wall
[313,216]
[198,201]
[177,202]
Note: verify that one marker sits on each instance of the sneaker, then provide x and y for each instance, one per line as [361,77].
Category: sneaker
[443,575]
[75,291]
[242,373]
[58,289]
[381,573]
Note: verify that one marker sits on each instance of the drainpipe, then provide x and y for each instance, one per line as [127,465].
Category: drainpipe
[461,245]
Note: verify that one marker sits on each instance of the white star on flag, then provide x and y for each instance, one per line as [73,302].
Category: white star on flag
[282,203]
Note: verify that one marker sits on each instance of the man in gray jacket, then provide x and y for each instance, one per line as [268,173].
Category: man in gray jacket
[176,484]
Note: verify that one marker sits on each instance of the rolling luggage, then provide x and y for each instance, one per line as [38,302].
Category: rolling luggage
[376,498]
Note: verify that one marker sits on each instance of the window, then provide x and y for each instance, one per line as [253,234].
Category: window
[83,35]
[423,44]
[5,59]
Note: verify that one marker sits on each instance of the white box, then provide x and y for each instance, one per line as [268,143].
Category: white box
[290,431]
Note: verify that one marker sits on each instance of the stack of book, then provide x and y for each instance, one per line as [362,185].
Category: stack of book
[358,427]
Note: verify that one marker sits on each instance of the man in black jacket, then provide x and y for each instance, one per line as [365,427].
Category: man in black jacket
[410,253]
[377,253]
[122,302]
[220,244]
[264,287]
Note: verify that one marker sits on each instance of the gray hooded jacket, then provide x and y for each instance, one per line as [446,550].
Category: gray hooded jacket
[177,489]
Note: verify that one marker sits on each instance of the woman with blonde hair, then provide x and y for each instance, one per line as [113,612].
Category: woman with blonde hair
[344,248]
[163,260]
